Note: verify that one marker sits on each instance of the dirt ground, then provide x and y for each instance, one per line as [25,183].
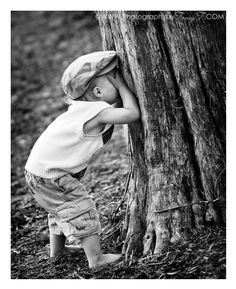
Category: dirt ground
[43,44]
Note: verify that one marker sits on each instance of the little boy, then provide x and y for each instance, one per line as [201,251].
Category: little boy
[59,159]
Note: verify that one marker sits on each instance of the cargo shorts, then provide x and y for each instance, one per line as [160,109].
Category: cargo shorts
[71,211]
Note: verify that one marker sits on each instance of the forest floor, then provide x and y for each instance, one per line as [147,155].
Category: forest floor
[43,44]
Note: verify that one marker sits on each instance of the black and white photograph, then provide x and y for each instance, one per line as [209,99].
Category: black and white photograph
[118,144]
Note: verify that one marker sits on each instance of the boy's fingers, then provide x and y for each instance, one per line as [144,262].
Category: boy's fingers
[115,72]
[111,78]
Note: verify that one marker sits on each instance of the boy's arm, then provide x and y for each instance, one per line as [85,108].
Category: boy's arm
[128,113]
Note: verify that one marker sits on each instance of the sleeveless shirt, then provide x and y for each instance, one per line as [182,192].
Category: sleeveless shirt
[63,147]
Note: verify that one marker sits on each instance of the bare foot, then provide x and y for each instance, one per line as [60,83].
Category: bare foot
[72,248]
[66,250]
[58,254]
[104,259]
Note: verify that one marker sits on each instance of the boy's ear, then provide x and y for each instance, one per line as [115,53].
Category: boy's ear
[97,91]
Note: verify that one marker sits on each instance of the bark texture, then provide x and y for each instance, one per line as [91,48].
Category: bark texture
[176,67]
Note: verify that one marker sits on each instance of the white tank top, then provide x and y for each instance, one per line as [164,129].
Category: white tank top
[63,147]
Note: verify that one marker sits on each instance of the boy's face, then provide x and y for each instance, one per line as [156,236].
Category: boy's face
[108,92]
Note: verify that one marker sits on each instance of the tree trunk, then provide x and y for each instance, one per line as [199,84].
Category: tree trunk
[175,64]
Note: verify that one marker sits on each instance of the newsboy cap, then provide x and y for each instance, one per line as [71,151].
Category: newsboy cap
[79,74]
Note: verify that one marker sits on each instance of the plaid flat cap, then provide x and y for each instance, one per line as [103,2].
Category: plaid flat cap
[79,74]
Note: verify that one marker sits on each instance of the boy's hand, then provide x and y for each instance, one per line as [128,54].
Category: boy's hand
[129,112]
[117,81]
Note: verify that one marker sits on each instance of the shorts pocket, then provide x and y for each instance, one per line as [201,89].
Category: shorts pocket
[79,219]
[70,211]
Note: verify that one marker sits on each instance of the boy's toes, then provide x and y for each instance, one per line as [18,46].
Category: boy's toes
[105,260]
[113,258]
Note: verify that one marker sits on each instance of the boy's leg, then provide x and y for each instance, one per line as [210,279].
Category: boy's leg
[92,248]
[57,244]
[58,247]
[57,238]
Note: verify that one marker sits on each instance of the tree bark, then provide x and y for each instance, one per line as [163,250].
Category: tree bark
[175,64]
